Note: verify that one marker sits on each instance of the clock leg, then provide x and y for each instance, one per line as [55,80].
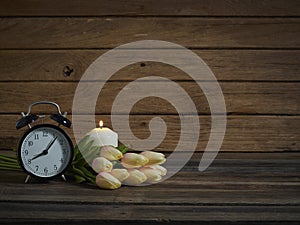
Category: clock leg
[63,177]
[27,179]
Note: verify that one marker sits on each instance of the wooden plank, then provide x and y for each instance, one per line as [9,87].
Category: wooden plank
[238,65]
[149,7]
[244,133]
[109,32]
[236,187]
[192,194]
[139,213]
[225,182]
[240,97]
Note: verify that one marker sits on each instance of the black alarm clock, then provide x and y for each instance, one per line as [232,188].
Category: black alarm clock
[44,151]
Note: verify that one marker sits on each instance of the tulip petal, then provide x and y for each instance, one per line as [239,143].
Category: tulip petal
[162,170]
[120,174]
[107,181]
[155,158]
[133,160]
[136,177]
[110,153]
[101,164]
[153,176]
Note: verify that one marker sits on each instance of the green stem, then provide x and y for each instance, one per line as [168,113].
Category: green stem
[78,171]
[8,158]
[88,175]
[78,179]
[8,166]
[11,157]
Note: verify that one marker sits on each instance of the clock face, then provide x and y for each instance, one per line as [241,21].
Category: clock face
[45,151]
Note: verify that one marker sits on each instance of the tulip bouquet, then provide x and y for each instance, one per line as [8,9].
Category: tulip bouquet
[112,167]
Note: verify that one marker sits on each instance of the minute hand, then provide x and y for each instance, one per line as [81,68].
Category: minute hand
[50,144]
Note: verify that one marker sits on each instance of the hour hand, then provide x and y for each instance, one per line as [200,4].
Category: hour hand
[45,152]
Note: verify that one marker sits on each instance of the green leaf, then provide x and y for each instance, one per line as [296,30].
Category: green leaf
[90,176]
[86,147]
[10,168]
[92,153]
[83,148]
[123,148]
[79,179]
[78,171]
[83,142]
[8,158]
[81,162]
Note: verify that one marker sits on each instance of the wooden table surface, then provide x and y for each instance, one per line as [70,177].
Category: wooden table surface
[251,46]
[238,188]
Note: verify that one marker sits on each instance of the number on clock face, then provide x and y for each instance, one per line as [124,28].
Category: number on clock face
[45,151]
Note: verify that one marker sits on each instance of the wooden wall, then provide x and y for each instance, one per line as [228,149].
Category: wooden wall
[252,46]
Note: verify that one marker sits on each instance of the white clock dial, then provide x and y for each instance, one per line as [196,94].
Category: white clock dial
[45,151]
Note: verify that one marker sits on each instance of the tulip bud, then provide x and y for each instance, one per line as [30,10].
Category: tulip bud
[110,153]
[101,164]
[162,170]
[136,177]
[107,181]
[153,176]
[154,158]
[133,160]
[120,174]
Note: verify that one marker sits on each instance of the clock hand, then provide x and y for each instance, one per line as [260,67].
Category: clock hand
[40,154]
[50,144]
[45,152]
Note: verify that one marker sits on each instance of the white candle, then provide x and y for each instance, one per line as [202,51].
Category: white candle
[103,136]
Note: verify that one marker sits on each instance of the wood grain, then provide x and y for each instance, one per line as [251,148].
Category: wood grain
[49,33]
[148,7]
[252,47]
[238,65]
[236,187]
[240,98]
[243,133]
[139,213]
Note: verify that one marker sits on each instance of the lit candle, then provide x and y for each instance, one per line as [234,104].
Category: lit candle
[103,136]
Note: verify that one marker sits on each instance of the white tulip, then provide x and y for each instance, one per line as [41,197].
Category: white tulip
[101,164]
[154,158]
[136,177]
[110,153]
[107,181]
[133,160]
[153,176]
[162,170]
[120,174]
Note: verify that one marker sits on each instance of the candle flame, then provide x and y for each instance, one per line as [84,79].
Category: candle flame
[101,124]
